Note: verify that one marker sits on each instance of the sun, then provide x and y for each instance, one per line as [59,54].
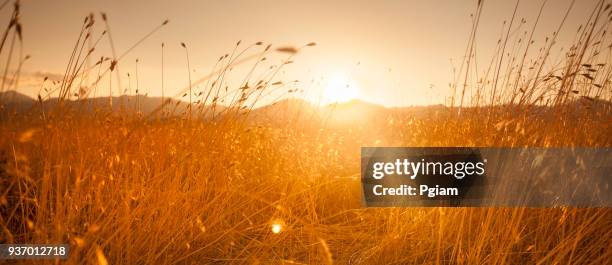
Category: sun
[340,88]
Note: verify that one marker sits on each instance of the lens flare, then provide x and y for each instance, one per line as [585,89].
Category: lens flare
[276,227]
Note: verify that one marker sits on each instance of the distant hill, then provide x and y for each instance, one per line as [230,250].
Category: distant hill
[354,111]
[284,111]
[17,102]
[16,97]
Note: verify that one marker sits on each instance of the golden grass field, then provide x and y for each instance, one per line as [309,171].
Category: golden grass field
[128,188]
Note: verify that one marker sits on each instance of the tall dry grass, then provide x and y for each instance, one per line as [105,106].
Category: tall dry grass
[223,187]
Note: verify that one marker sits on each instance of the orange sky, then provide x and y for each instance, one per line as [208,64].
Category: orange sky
[394,52]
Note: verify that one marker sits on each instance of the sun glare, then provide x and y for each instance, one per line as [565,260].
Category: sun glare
[340,88]
[276,227]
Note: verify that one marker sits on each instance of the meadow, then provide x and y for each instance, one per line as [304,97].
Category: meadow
[200,181]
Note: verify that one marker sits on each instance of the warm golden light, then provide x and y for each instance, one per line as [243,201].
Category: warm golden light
[340,88]
[201,131]
[276,227]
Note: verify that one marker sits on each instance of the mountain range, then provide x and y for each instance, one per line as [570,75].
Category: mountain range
[282,111]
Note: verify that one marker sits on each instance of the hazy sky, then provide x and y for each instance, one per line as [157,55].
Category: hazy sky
[394,52]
